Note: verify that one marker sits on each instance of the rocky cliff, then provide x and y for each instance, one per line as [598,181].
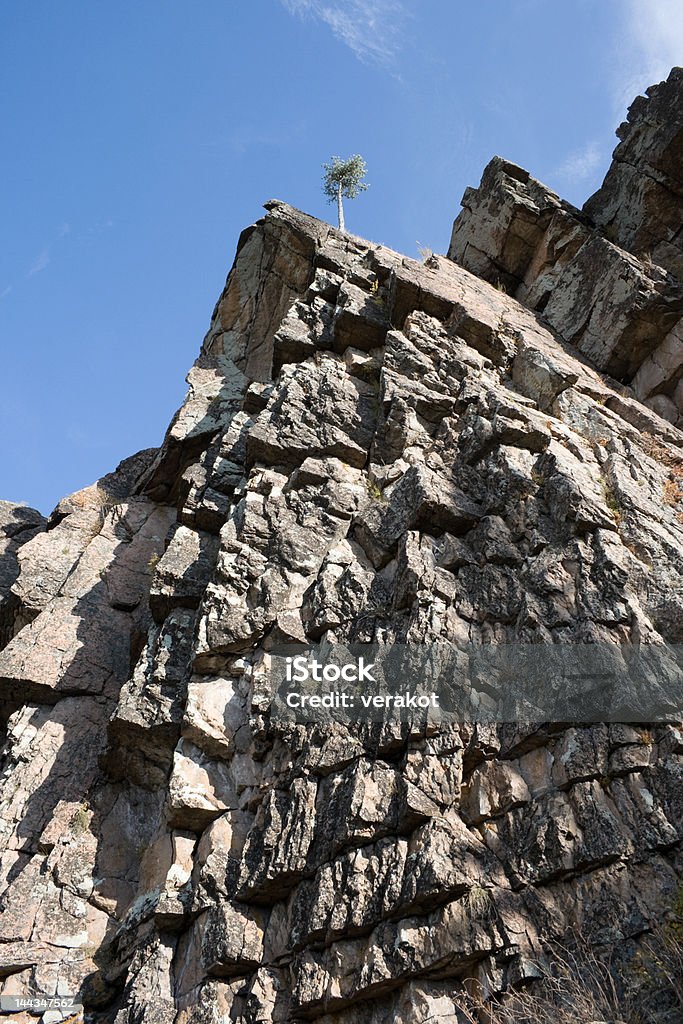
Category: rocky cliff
[482,449]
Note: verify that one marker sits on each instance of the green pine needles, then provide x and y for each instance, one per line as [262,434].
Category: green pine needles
[343,179]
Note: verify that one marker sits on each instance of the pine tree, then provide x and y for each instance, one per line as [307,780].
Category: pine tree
[344,179]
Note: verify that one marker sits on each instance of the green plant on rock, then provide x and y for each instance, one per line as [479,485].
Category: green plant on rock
[612,502]
[676,923]
[375,491]
[343,179]
[80,820]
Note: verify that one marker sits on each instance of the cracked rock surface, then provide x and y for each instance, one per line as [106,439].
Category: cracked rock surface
[371,449]
[608,278]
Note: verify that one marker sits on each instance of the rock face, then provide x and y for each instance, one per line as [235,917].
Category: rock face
[371,448]
[608,278]
[640,204]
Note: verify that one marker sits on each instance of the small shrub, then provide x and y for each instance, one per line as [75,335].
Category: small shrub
[612,502]
[79,820]
[659,969]
[375,491]
[480,904]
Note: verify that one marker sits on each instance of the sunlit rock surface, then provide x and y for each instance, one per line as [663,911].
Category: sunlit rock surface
[371,449]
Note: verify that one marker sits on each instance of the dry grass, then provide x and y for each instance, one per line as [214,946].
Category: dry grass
[672,493]
[579,987]
[660,452]
[94,496]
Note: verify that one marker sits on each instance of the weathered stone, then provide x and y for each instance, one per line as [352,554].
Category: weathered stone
[420,499]
[276,851]
[223,942]
[620,308]
[492,790]
[371,450]
[18,525]
[640,202]
[347,970]
[180,577]
[200,789]
[324,412]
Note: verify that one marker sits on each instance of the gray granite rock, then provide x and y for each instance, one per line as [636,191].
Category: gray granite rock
[373,450]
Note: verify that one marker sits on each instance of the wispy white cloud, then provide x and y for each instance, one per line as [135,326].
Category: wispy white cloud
[44,257]
[41,261]
[5,291]
[372,29]
[651,44]
[583,164]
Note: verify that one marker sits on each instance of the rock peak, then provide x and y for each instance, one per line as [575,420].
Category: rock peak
[608,279]
[640,203]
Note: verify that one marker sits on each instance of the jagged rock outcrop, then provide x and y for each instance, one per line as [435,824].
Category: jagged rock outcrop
[608,278]
[371,448]
[18,524]
[640,204]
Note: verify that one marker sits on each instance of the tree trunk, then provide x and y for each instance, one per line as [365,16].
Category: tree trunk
[340,208]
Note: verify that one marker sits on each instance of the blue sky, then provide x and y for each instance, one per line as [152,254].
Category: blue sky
[139,137]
